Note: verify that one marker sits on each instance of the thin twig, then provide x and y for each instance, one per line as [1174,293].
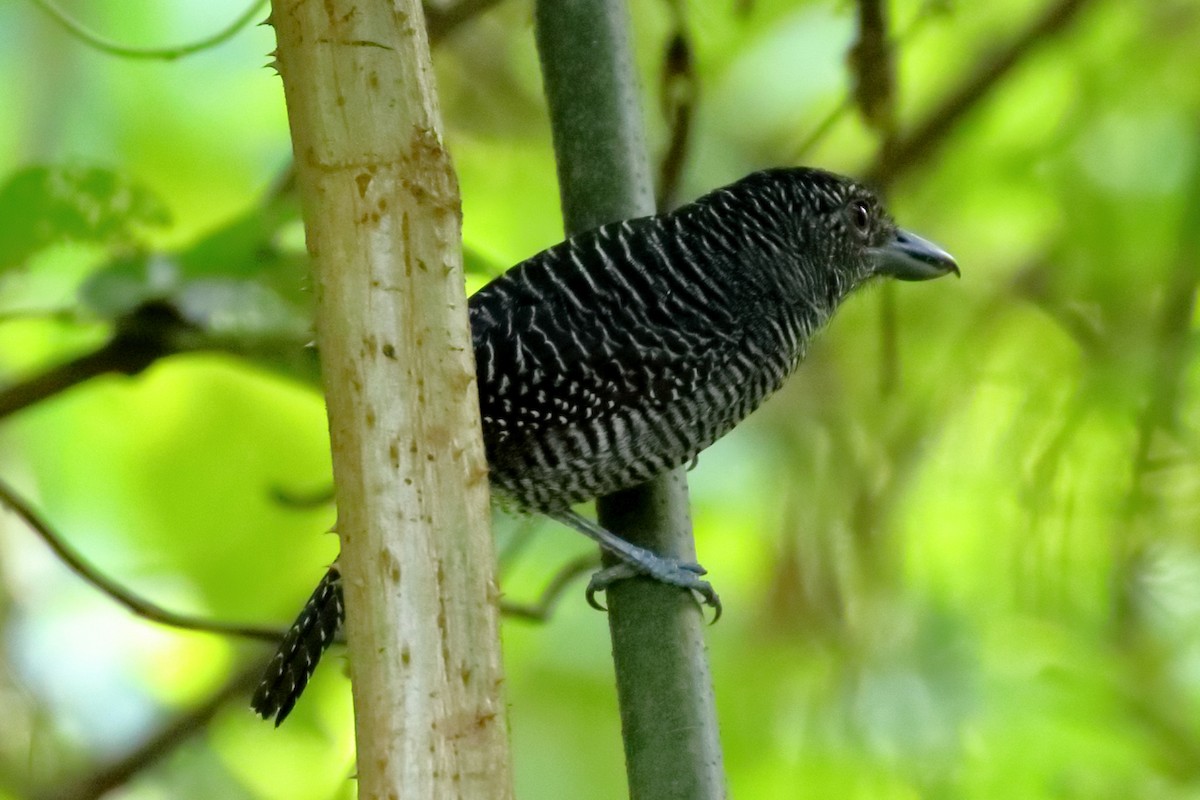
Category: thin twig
[169,737]
[541,610]
[927,12]
[873,68]
[913,148]
[104,45]
[872,63]
[538,611]
[823,129]
[516,543]
[680,89]
[301,499]
[135,604]
[107,359]
[141,337]
[441,22]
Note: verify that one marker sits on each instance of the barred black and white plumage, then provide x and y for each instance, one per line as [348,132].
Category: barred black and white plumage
[301,650]
[623,352]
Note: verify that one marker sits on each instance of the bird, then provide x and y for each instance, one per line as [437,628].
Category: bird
[622,352]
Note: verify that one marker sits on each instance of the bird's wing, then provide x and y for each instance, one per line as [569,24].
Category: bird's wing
[577,332]
[547,375]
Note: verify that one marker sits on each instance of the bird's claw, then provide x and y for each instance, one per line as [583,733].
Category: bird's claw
[593,587]
[672,573]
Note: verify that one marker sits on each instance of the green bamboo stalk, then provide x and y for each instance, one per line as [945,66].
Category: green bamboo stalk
[668,715]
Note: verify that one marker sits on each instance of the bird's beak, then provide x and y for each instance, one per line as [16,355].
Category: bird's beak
[911,258]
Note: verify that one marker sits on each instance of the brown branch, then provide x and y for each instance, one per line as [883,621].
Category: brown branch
[873,67]
[537,611]
[680,88]
[135,604]
[541,610]
[175,733]
[303,500]
[872,63]
[110,358]
[145,335]
[928,11]
[915,147]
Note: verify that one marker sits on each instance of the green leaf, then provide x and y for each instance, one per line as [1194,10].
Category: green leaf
[233,307]
[44,205]
[257,246]
[126,283]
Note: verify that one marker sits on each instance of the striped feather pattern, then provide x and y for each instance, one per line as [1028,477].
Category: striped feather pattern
[623,352]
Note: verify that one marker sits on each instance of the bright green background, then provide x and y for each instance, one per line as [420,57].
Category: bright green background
[984,583]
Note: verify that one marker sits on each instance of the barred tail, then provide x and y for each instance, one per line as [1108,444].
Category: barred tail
[301,650]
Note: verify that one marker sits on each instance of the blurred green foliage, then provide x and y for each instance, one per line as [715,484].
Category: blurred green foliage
[978,580]
[44,206]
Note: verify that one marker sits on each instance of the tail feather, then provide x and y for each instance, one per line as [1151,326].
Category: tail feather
[301,650]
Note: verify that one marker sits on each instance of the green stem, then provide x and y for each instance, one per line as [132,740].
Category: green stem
[664,688]
[104,45]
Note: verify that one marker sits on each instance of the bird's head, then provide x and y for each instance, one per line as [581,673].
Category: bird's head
[842,226]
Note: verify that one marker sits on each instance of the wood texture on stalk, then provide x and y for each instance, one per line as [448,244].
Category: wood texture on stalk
[382,217]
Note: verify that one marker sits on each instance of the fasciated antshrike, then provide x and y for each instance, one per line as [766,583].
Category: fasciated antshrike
[623,352]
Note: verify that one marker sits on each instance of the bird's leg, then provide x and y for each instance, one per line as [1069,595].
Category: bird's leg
[637,561]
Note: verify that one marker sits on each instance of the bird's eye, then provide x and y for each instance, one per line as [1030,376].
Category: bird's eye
[860,216]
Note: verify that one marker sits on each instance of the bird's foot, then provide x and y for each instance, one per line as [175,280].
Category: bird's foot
[637,561]
[664,570]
